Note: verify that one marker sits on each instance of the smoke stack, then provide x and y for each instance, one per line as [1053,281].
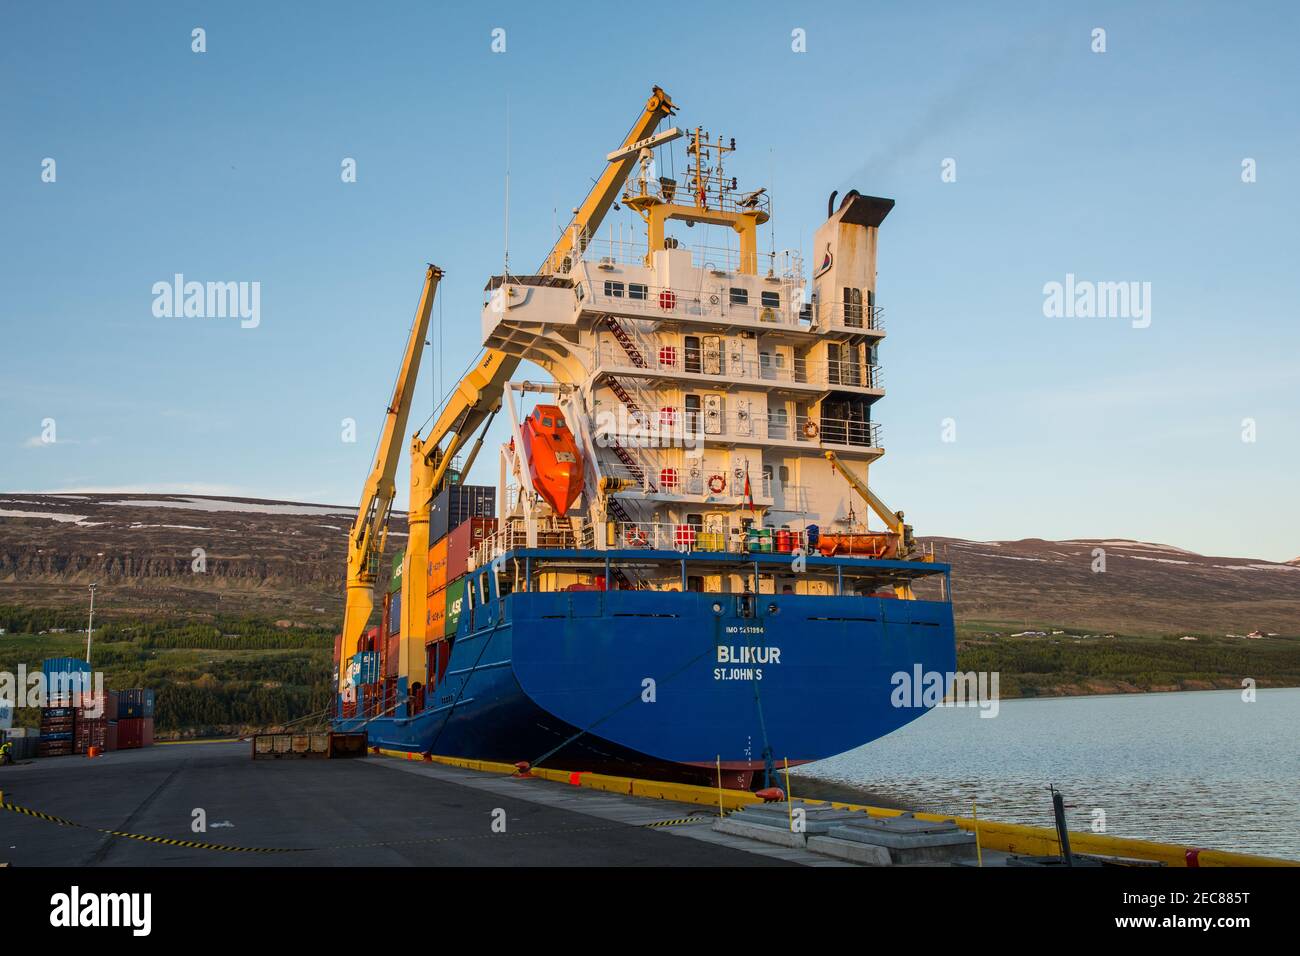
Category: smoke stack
[844,257]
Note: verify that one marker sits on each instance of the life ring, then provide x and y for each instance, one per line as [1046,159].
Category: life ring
[635,537]
[810,429]
[667,300]
[717,484]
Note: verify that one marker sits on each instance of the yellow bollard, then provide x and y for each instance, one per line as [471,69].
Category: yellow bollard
[979,853]
[789,798]
[720,810]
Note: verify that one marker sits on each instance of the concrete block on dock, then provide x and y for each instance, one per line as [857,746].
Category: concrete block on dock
[765,832]
[816,820]
[908,840]
[861,853]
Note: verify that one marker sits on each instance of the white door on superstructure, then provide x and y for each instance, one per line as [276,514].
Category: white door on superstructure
[744,422]
[713,414]
[712,347]
[694,475]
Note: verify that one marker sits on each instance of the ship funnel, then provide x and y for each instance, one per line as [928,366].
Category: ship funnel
[844,251]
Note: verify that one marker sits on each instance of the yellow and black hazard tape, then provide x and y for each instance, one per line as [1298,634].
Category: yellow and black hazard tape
[680,821]
[165,841]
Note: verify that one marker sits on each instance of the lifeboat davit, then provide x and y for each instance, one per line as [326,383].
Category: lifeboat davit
[553,460]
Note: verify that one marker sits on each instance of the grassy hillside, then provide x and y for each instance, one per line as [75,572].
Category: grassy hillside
[210,677]
[1072,661]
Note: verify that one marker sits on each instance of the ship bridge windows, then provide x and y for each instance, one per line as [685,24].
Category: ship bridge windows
[613,289]
[770,299]
[638,290]
[739,296]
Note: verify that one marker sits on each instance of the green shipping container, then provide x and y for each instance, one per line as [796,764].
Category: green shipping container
[395,582]
[455,601]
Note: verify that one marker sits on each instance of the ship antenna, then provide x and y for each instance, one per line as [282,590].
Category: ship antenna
[505,269]
[771,203]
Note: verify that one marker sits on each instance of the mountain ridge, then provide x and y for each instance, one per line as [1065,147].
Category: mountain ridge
[285,557]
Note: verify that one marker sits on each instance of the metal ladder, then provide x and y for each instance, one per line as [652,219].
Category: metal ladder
[625,340]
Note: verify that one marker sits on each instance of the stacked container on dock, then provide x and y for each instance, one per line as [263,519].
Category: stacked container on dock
[134,733]
[96,723]
[135,712]
[58,726]
[138,702]
[65,676]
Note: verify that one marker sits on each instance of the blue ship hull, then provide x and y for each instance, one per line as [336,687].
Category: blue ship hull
[663,684]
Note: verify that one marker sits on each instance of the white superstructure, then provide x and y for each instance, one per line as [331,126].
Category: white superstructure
[705,385]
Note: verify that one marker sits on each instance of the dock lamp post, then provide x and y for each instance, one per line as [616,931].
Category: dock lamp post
[90,627]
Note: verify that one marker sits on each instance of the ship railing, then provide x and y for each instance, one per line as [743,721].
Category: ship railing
[690,537]
[693,480]
[620,251]
[661,359]
[556,533]
[506,538]
[673,426]
[822,430]
[712,190]
[851,316]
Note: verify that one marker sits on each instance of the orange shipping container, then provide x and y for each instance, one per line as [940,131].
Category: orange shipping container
[437,577]
[436,616]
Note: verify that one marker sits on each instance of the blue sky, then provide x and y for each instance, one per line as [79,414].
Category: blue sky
[225,166]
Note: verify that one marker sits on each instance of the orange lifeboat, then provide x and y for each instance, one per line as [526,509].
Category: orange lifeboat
[858,544]
[553,460]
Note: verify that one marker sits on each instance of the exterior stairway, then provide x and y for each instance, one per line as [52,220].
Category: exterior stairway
[625,340]
[633,466]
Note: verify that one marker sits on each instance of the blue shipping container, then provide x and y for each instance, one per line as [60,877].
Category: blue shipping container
[367,667]
[135,703]
[66,675]
[395,612]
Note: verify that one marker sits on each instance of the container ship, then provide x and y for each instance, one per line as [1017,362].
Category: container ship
[683,572]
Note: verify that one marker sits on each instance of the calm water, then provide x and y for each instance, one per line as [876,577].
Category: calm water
[1201,768]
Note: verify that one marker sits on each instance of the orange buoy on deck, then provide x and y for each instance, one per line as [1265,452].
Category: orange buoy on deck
[554,463]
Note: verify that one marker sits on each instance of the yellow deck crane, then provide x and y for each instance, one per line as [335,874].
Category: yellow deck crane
[893,519]
[477,398]
[370,528]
